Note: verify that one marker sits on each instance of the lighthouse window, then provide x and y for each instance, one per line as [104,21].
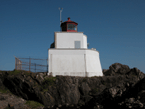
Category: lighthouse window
[77,44]
[71,27]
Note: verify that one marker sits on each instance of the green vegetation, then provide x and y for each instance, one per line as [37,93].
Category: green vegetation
[84,79]
[48,81]
[5,90]
[27,73]
[34,104]
[14,72]
[95,90]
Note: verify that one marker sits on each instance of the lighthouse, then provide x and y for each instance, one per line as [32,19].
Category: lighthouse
[69,54]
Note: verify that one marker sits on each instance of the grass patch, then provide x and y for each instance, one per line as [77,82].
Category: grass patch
[15,72]
[34,104]
[48,81]
[5,90]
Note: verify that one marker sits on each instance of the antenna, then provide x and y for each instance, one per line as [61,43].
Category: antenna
[60,9]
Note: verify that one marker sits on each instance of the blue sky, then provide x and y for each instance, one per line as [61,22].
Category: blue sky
[116,28]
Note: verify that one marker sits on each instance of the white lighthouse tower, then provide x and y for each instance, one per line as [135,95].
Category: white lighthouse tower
[69,55]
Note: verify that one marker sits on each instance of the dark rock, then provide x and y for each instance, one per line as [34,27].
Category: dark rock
[116,69]
[3,97]
[84,88]
[131,103]
[136,72]
[121,88]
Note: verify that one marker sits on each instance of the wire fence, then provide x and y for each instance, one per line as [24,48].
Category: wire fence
[31,64]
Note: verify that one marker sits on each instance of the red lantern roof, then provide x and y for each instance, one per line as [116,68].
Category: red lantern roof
[69,26]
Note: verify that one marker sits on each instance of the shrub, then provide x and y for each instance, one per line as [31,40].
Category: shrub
[34,104]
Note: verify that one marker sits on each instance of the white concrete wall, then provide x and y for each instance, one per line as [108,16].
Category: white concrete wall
[85,41]
[93,63]
[74,62]
[64,62]
[67,39]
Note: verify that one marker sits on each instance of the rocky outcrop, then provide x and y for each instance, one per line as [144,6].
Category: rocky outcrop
[10,101]
[116,69]
[120,88]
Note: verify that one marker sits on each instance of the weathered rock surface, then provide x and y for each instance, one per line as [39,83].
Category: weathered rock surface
[12,102]
[120,88]
[116,69]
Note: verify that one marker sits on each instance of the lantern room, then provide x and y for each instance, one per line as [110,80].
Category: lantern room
[69,26]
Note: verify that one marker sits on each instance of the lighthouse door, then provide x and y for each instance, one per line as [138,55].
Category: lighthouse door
[77,44]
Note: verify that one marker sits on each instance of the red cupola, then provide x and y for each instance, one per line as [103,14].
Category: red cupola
[69,26]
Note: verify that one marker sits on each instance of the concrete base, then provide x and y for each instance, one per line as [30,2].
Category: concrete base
[74,62]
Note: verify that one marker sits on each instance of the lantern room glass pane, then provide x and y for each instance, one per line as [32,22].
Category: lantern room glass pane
[71,27]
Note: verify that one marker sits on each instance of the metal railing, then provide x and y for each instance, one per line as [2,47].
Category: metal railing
[31,64]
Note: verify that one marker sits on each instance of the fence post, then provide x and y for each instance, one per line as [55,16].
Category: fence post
[20,65]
